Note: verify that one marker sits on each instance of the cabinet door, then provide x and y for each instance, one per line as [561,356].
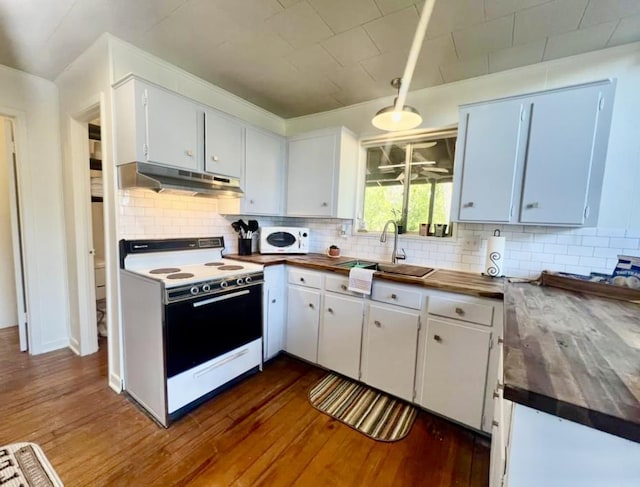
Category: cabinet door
[273,311]
[171,129]
[455,370]
[303,313]
[341,335]
[389,349]
[487,154]
[264,173]
[310,190]
[559,156]
[224,145]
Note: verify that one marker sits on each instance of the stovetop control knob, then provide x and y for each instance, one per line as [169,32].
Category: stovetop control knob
[248,279]
[224,284]
[194,290]
[239,281]
[206,288]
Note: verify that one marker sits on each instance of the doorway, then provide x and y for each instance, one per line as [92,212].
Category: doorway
[13,299]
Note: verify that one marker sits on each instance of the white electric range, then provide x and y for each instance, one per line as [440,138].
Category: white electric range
[192,322]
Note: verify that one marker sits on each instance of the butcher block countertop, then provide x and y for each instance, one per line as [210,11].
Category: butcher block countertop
[445,280]
[574,355]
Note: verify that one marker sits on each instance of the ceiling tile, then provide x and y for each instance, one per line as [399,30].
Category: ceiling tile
[248,13]
[351,46]
[355,86]
[299,25]
[249,45]
[628,31]
[342,16]
[394,31]
[129,20]
[579,41]
[600,11]
[386,66]
[388,6]
[438,51]
[313,59]
[549,19]
[31,22]
[485,37]
[450,15]
[514,57]
[500,8]
[287,3]
[468,68]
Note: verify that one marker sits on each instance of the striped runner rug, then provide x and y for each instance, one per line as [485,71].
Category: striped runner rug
[373,413]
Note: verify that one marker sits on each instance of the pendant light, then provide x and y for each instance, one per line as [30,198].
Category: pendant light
[400,116]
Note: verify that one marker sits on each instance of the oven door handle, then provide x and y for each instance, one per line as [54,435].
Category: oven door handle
[221,298]
[211,367]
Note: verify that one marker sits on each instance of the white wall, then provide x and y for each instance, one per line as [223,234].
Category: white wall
[33,102]
[8,305]
[620,207]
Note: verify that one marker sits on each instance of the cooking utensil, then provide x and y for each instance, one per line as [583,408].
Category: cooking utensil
[243,225]
[236,226]
[253,225]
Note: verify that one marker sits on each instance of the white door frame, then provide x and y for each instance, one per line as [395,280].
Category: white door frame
[87,341]
[15,205]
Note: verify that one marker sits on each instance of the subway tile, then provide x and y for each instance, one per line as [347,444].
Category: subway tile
[606,252]
[595,241]
[633,233]
[627,243]
[555,248]
[578,269]
[610,232]
[532,247]
[580,250]
[584,231]
[570,239]
[545,238]
[567,259]
[593,262]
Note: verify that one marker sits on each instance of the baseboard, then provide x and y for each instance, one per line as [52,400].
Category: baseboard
[115,383]
[50,346]
[74,345]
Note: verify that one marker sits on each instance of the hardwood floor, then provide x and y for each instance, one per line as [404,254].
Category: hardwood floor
[263,432]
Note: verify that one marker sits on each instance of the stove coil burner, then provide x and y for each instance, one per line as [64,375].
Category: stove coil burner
[231,267]
[164,270]
[180,275]
[215,264]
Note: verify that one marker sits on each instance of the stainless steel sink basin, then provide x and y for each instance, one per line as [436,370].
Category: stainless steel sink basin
[400,269]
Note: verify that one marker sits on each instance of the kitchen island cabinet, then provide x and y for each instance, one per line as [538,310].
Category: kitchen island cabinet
[534,159]
[322,174]
[156,125]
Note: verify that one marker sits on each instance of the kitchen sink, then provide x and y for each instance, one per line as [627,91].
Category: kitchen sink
[401,269]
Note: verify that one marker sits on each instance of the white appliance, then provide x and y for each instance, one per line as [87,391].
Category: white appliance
[284,240]
[192,322]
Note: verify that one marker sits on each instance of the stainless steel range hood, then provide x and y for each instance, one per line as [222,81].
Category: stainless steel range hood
[164,178]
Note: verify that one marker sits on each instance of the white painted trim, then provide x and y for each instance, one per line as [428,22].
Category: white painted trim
[115,382]
[74,345]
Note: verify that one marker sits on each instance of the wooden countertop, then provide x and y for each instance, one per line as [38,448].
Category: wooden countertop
[575,356]
[445,280]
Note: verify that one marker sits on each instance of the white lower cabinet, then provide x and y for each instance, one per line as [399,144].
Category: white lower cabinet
[340,336]
[454,370]
[273,310]
[303,317]
[389,349]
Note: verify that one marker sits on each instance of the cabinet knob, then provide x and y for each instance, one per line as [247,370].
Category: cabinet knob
[302,279]
[377,323]
[189,153]
[330,310]
[437,338]
[469,204]
[311,305]
[273,300]
[459,311]
[500,340]
[251,202]
[324,203]
[393,296]
[215,158]
[496,394]
[531,206]
[495,423]
[343,287]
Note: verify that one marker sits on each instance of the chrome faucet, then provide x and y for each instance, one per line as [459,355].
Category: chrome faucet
[396,256]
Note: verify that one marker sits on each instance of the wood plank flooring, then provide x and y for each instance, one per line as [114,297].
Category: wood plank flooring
[263,432]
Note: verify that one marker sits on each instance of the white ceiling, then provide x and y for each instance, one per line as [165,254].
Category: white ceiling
[295,57]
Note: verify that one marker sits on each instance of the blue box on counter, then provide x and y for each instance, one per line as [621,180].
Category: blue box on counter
[627,266]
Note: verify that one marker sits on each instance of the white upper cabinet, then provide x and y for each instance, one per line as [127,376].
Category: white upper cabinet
[534,159]
[224,144]
[264,172]
[322,174]
[155,125]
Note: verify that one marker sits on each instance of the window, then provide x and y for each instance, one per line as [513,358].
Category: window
[409,181]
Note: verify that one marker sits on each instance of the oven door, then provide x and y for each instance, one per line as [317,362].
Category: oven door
[200,329]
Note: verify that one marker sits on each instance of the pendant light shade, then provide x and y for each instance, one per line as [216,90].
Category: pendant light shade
[391,119]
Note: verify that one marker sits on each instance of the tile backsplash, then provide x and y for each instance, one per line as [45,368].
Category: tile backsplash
[529,249]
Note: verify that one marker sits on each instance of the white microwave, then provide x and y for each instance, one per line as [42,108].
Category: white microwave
[284,240]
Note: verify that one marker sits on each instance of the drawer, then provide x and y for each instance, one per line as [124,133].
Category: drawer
[305,278]
[388,293]
[338,284]
[482,314]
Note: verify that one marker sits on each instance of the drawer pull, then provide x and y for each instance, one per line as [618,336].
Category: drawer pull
[377,323]
[330,310]
[495,423]
[325,204]
[500,340]
[393,296]
[302,279]
[343,287]
[468,205]
[532,206]
[437,338]
[496,394]
[460,311]
[311,305]
[273,300]
[188,153]
[215,158]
